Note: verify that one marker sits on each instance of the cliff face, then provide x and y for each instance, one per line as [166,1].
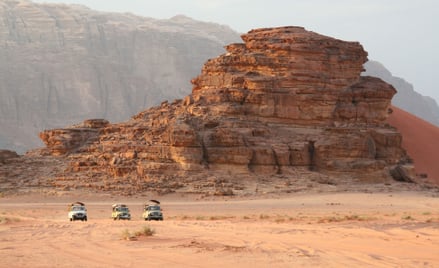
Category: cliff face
[60,64]
[407,98]
[285,102]
[294,75]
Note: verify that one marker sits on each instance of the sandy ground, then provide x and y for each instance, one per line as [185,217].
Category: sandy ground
[398,229]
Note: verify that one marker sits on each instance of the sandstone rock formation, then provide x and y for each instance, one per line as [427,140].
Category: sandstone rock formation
[286,102]
[407,98]
[60,64]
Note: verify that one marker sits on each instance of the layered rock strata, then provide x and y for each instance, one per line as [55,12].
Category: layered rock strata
[285,100]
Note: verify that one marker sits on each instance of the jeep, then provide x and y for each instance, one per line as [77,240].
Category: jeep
[77,211]
[152,211]
[121,212]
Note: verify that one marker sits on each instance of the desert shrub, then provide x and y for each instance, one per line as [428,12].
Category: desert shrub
[4,219]
[263,217]
[280,220]
[127,235]
[145,231]
[341,218]
[408,217]
[219,217]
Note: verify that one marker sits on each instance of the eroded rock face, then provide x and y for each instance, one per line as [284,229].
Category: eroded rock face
[296,76]
[63,141]
[285,100]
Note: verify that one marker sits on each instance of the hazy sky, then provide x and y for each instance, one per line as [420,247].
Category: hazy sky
[401,34]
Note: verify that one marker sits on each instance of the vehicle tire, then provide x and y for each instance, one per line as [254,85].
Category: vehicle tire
[71,219]
[85,219]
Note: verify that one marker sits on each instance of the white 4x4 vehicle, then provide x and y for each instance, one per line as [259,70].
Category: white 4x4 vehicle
[121,212]
[152,211]
[77,211]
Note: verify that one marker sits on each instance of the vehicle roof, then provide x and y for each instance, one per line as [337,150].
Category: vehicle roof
[119,205]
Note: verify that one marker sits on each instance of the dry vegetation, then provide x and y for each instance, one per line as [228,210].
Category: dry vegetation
[145,231]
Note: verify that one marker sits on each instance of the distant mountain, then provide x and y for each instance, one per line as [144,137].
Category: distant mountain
[61,64]
[407,98]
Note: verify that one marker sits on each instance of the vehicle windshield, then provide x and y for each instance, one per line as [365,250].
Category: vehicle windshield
[122,209]
[153,208]
[76,208]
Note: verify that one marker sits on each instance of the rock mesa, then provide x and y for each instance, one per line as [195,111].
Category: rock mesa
[286,101]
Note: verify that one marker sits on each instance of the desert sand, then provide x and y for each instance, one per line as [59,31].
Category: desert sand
[338,229]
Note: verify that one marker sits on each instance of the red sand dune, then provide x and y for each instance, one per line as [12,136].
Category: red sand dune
[421,140]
